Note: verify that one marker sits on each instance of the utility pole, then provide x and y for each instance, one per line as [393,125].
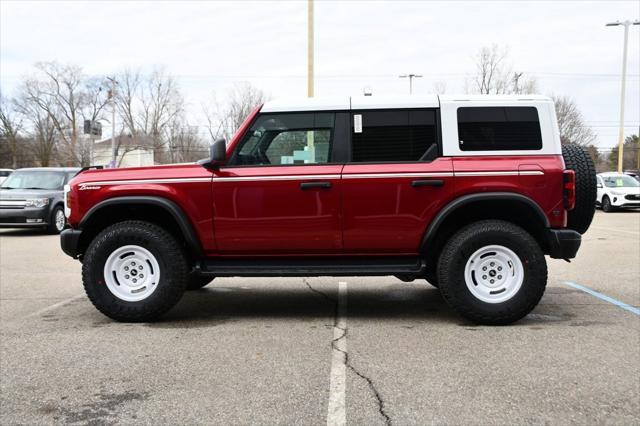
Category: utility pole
[410,77]
[622,90]
[112,97]
[310,43]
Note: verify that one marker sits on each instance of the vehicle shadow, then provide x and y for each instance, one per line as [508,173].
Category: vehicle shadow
[222,304]
[392,303]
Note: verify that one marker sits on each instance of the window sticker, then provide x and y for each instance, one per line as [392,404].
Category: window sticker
[357,123]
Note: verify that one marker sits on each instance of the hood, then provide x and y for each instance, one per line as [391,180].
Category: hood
[626,190]
[169,171]
[22,194]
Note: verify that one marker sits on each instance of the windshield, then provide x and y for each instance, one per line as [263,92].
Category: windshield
[620,181]
[34,180]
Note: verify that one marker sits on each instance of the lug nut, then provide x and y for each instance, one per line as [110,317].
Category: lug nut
[484,277]
[135,281]
[499,268]
[141,276]
[491,281]
[492,264]
[126,268]
[499,277]
[140,267]
[126,277]
[484,268]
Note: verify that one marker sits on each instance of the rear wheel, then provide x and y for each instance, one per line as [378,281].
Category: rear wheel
[577,158]
[134,271]
[492,272]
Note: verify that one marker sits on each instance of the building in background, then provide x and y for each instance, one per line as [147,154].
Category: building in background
[132,151]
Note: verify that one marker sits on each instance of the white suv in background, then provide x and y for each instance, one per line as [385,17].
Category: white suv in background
[617,191]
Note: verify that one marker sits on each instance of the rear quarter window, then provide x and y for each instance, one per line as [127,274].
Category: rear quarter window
[499,129]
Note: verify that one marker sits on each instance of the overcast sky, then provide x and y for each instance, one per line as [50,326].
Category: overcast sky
[210,45]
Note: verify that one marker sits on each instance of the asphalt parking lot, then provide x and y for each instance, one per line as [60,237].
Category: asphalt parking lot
[262,351]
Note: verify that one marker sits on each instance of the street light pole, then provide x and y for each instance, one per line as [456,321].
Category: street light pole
[310,48]
[622,90]
[410,77]
[112,96]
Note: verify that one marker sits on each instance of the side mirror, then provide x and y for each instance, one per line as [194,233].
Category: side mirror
[217,155]
[599,185]
[218,151]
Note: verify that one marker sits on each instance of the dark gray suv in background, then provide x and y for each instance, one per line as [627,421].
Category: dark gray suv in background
[34,198]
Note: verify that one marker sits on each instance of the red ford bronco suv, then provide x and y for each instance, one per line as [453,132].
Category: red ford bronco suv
[466,192]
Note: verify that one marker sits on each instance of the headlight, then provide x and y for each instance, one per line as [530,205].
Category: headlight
[36,202]
[617,193]
[67,201]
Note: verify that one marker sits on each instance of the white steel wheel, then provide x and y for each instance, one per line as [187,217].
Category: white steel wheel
[131,273]
[494,274]
[59,220]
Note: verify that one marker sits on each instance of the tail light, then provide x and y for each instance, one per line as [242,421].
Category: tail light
[569,189]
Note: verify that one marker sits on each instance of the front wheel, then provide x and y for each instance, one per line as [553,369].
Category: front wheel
[57,221]
[134,271]
[492,272]
[606,204]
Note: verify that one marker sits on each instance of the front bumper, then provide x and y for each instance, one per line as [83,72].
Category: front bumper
[69,242]
[24,218]
[563,243]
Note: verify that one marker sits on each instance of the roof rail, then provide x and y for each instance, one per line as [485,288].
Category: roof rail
[89,168]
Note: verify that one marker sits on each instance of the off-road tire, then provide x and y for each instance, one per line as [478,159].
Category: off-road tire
[432,278]
[577,158]
[196,282]
[456,253]
[52,226]
[606,204]
[171,258]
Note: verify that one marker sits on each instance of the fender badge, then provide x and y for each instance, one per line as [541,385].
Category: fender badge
[87,187]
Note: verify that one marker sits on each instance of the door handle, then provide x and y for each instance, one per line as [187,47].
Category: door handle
[309,185]
[432,182]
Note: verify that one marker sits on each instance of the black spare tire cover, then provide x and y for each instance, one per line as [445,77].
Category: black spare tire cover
[577,158]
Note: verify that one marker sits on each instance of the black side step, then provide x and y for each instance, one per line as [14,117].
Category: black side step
[311,266]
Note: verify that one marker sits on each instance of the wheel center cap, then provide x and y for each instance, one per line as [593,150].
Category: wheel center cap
[134,272]
[492,273]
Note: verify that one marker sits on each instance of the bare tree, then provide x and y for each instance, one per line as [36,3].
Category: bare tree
[184,142]
[10,127]
[440,87]
[494,75]
[573,129]
[223,121]
[148,105]
[41,129]
[65,95]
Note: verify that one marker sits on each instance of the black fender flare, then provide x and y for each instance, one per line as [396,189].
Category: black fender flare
[459,202]
[190,237]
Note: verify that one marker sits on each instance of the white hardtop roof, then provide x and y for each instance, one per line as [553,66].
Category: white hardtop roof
[345,103]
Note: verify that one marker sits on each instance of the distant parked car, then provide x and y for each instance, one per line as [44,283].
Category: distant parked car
[617,191]
[33,198]
[633,173]
[4,173]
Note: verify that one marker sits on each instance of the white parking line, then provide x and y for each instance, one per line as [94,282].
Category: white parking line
[55,306]
[604,297]
[337,415]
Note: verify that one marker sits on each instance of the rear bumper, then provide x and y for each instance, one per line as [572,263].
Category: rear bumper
[563,243]
[69,241]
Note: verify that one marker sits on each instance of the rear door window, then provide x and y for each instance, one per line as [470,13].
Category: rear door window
[499,129]
[393,136]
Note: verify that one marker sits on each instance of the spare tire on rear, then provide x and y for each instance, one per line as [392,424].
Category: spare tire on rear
[577,158]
